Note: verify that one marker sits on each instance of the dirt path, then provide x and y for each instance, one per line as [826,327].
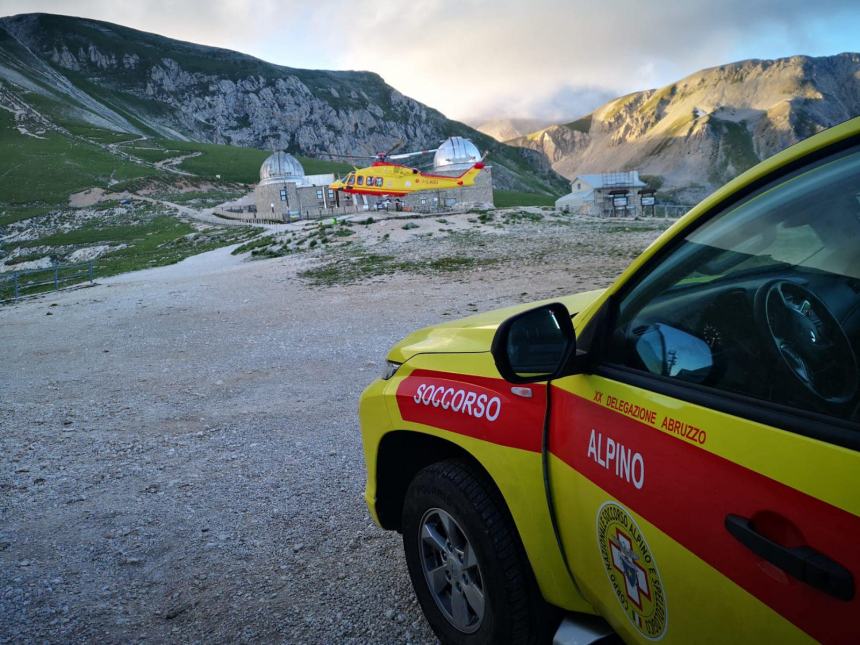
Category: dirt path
[172,164]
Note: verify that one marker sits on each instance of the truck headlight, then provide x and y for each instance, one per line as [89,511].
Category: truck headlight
[390,368]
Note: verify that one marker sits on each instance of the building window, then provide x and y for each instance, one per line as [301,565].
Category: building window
[423,202]
[283,194]
[360,180]
[319,194]
[330,193]
[578,186]
[379,181]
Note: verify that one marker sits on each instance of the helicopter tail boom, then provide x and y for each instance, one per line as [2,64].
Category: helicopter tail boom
[469,176]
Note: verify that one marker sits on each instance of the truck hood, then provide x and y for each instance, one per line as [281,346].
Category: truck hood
[474,333]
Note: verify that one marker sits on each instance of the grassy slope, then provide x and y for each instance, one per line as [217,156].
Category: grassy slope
[48,170]
[243,164]
[232,163]
[504,198]
[151,240]
[160,241]
[580,125]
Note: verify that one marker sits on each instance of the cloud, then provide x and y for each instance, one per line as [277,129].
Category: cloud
[226,23]
[475,59]
[555,105]
[511,58]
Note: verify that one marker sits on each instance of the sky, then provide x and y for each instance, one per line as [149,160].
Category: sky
[551,60]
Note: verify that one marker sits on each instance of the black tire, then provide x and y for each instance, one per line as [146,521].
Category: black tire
[513,610]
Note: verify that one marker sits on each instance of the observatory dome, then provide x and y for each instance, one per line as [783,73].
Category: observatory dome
[456,153]
[281,166]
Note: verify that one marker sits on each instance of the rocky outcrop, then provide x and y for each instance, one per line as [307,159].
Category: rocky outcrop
[710,126]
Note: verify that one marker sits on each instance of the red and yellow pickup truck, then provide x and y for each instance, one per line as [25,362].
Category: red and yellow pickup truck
[674,458]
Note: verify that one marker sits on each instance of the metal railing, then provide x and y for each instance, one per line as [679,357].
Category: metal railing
[20,284]
[310,213]
[670,210]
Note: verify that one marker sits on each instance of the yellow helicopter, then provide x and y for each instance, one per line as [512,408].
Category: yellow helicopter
[386,179]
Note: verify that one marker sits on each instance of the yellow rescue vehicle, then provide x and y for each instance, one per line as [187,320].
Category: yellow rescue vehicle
[674,458]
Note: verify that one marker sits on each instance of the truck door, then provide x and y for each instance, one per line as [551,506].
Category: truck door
[705,474]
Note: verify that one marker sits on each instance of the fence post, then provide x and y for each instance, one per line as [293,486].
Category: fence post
[17,291]
[56,278]
[90,270]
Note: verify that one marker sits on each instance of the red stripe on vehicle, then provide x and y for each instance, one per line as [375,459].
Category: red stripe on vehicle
[493,413]
[687,492]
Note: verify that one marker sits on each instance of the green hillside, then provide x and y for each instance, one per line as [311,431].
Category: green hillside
[217,161]
[505,198]
[45,167]
[49,168]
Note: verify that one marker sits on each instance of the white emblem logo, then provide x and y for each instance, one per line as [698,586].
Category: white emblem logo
[632,570]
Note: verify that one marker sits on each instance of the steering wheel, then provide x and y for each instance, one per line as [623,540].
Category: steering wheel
[809,339]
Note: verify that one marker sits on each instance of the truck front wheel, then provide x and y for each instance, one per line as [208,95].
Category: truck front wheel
[466,562]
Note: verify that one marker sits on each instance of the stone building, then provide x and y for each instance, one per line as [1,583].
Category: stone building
[286,192]
[608,194]
[455,156]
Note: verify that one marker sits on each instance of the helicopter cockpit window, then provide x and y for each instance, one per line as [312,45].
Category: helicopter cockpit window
[379,181]
[350,180]
[360,180]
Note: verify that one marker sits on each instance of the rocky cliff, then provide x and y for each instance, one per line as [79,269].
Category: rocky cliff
[710,126]
[80,71]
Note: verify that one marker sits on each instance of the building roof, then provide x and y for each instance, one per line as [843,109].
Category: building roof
[612,179]
[281,166]
[456,153]
[573,199]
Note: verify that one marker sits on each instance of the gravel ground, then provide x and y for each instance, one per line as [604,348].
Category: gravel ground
[180,457]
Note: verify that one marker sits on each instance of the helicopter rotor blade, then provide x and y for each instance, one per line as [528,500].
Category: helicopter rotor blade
[399,143]
[406,155]
[340,156]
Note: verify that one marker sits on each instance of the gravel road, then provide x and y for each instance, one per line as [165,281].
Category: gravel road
[180,457]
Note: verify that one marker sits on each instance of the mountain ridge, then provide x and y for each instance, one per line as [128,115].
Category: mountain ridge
[709,126]
[83,71]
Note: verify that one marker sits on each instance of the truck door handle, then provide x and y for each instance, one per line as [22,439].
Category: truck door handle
[801,562]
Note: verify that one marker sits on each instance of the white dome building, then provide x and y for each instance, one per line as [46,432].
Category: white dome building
[281,167]
[285,192]
[456,154]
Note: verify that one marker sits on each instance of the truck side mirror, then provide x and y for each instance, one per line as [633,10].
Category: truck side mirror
[535,345]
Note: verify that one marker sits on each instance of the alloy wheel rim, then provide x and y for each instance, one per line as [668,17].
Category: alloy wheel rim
[451,570]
